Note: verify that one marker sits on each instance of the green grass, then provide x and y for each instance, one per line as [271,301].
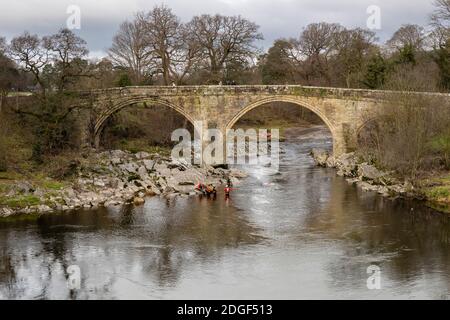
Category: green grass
[437,191]
[7,175]
[4,188]
[52,185]
[20,201]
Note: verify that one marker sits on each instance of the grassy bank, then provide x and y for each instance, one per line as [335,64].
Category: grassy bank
[436,190]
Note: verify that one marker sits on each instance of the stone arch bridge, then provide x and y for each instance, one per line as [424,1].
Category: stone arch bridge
[344,111]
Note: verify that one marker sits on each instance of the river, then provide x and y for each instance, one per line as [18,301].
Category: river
[304,233]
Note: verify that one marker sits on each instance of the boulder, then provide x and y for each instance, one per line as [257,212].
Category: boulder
[151,187]
[331,162]
[347,164]
[162,183]
[188,177]
[142,155]
[384,191]
[367,186]
[320,156]
[149,164]
[24,187]
[118,154]
[116,161]
[6,212]
[352,180]
[99,183]
[129,167]
[142,172]
[112,202]
[168,190]
[162,169]
[43,209]
[369,172]
[238,174]
[137,201]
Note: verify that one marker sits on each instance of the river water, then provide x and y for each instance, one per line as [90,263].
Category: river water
[301,234]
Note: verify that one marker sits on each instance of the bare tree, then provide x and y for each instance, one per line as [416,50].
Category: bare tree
[130,49]
[316,43]
[31,56]
[440,20]
[318,38]
[224,40]
[409,35]
[66,50]
[171,45]
[441,15]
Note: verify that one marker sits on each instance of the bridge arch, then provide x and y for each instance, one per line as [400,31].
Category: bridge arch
[123,103]
[299,102]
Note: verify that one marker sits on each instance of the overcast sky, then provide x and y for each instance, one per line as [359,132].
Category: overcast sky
[277,18]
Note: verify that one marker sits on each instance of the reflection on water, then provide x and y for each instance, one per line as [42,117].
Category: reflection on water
[303,233]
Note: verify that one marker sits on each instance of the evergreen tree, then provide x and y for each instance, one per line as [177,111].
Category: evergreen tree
[376,72]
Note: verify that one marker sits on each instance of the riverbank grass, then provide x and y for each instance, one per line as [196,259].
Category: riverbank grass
[437,191]
[21,201]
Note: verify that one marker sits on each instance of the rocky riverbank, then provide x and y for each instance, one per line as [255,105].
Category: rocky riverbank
[364,175]
[111,178]
[434,189]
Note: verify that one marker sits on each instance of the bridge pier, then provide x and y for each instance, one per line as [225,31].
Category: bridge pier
[345,139]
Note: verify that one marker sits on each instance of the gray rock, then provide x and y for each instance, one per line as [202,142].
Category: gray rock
[352,180]
[116,161]
[320,156]
[369,172]
[189,177]
[347,164]
[331,162]
[6,212]
[24,187]
[168,190]
[112,202]
[238,174]
[118,154]
[142,155]
[162,183]
[367,186]
[43,209]
[129,167]
[151,187]
[149,164]
[162,169]
[383,190]
[99,183]
[142,172]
